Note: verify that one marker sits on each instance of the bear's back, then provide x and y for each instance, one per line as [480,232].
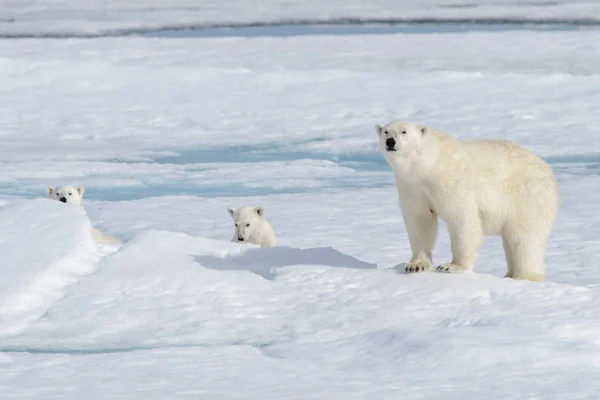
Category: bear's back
[503,158]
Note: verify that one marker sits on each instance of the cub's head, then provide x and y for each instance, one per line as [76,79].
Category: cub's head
[66,194]
[248,221]
[400,138]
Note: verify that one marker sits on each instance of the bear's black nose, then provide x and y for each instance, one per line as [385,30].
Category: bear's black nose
[390,143]
[241,239]
[63,199]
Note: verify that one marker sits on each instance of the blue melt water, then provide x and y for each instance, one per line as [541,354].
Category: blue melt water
[378,174]
[209,158]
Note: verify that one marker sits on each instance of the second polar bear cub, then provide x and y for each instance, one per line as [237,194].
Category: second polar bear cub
[251,226]
[74,195]
[478,187]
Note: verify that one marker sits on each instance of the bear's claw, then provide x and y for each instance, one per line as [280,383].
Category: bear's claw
[417,266]
[451,268]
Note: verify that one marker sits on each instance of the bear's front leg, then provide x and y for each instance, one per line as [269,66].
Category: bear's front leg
[466,235]
[422,233]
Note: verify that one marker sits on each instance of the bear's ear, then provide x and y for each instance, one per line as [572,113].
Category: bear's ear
[260,211]
[231,211]
[378,129]
[80,190]
[49,190]
[424,129]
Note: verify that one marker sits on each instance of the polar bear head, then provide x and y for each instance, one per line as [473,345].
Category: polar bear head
[66,194]
[400,138]
[248,223]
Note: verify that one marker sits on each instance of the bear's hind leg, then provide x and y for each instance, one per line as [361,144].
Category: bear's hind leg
[527,234]
[527,255]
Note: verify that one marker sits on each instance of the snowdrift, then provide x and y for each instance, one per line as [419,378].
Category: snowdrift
[45,247]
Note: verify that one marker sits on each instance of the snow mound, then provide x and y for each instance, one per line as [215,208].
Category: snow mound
[167,289]
[320,316]
[46,246]
[172,289]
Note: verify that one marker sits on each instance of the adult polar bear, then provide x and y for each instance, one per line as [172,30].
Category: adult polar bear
[478,187]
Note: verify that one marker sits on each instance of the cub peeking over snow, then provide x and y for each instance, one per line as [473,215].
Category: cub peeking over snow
[478,187]
[251,226]
[74,195]
[66,194]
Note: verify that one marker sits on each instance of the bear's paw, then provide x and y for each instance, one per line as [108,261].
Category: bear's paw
[418,266]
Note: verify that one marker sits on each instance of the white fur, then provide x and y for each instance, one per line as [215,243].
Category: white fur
[477,187]
[251,226]
[103,238]
[74,195]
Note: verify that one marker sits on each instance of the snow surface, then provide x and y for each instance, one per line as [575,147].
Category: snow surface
[165,134]
[172,315]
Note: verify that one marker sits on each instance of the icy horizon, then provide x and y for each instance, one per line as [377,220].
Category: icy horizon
[99,18]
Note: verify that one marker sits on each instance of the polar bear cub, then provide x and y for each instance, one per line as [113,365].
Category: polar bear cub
[477,187]
[74,195]
[251,226]
[66,194]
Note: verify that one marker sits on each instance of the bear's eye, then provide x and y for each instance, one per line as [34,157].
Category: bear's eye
[247,225]
[404,132]
[235,224]
[386,132]
[58,194]
[70,194]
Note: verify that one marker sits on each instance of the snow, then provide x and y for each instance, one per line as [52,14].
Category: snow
[174,314]
[166,133]
[163,112]
[68,252]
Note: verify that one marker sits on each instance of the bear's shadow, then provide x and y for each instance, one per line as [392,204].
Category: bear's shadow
[266,261]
